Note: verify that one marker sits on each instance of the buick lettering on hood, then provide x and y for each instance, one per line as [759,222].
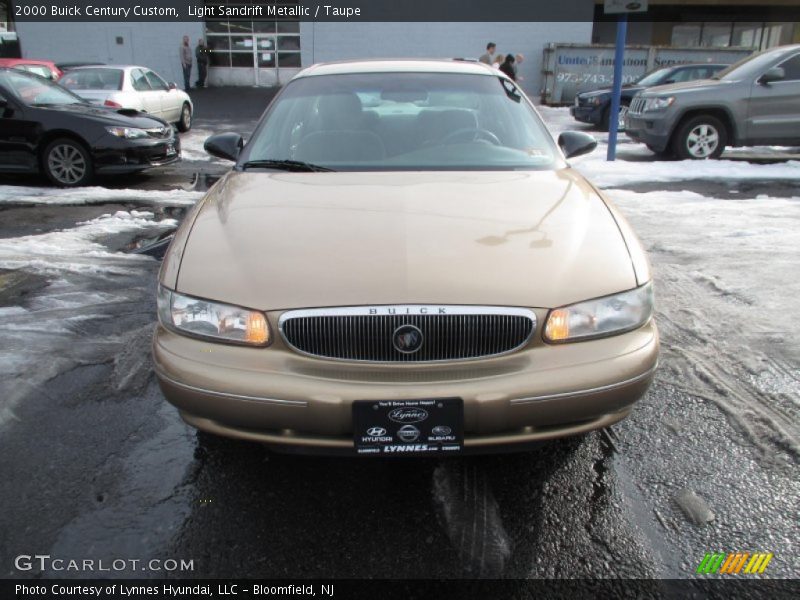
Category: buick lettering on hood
[402,262]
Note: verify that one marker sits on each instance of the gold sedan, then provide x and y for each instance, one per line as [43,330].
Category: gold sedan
[402,262]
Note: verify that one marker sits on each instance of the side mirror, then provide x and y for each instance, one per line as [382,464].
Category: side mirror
[576,143]
[773,74]
[225,145]
[173,85]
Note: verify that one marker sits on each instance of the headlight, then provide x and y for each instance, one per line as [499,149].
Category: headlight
[598,100]
[601,317]
[202,318]
[129,133]
[651,104]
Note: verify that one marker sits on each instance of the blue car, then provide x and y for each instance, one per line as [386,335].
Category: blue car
[594,107]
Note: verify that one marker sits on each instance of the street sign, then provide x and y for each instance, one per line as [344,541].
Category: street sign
[616,7]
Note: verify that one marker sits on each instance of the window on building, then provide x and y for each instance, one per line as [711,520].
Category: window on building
[687,34]
[716,35]
[253,44]
[723,34]
[747,35]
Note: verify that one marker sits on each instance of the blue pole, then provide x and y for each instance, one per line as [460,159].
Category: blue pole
[613,115]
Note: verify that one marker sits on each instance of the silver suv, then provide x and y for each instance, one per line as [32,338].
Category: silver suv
[753,102]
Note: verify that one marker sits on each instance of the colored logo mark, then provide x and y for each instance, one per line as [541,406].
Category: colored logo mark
[734,563]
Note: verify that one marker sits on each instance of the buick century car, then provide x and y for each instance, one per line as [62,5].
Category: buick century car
[401,261]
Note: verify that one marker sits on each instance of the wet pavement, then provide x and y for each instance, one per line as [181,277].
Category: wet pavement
[96,464]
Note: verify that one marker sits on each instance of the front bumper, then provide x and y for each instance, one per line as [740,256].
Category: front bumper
[588,114]
[276,396]
[653,129]
[117,155]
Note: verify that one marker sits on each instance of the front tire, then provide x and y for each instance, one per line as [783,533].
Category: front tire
[700,138]
[185,121]
[67,163]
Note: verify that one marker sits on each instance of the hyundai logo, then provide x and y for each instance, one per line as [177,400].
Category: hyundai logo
[408,415]
[408,433]
[407,339]
[376,432]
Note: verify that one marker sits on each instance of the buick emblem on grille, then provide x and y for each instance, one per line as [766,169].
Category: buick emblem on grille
[407,339]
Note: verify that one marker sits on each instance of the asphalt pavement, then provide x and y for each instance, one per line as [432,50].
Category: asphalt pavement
[96,464]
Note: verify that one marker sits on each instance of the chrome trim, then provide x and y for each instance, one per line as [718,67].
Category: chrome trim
[586,392]
[411,310]
[195,389]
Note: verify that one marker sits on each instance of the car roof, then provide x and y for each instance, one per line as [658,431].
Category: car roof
[26,61]
[119,67]
[463,66]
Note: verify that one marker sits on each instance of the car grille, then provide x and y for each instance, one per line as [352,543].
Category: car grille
[373,333]
[637,105]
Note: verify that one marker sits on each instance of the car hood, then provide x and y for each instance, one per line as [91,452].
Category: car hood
[110,116]
[685,87]
[626,91]
[275,241]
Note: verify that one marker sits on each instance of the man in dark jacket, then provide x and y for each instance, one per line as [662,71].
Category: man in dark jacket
[186,63]
[202,53]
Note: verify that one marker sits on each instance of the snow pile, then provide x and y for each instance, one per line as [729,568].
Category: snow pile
[621,172]
[15,194]
[78,249]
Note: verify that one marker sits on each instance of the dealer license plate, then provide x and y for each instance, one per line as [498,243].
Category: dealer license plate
[400,427]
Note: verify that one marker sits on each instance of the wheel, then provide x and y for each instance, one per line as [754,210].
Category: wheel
[67,163]
[185,123]
[700,137]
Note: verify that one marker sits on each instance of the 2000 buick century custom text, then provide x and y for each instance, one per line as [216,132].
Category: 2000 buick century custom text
[402,262]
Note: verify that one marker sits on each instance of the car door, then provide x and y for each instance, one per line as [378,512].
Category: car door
[150,99]
[774,108]
[169,110]
[18,136]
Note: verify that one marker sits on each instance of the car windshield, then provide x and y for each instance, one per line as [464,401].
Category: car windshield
[403,121]
[747,66]
[36,91]
[654,77]
[92,79]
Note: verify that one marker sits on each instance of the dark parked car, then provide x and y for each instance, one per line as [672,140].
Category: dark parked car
[594,107]
[46,128]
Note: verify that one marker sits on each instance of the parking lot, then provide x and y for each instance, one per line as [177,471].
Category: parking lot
[97,464]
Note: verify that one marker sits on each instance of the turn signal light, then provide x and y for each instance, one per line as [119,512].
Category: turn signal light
[256,331]
[557,325]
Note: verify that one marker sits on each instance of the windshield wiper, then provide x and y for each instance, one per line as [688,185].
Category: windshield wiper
[285,165]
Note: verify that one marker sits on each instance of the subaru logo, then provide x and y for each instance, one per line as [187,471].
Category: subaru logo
[441,430]
[408,433]
[408,415]
[407,339]
[376,432]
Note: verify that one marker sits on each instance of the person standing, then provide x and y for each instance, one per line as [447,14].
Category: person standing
[186,63]
[202,55]
[517,62]
[487,58]
[508,67]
